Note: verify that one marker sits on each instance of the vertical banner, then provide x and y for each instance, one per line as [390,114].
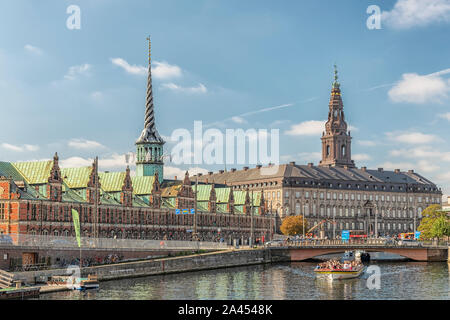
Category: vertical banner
[76,224]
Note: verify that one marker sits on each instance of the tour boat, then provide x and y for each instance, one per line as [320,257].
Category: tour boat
[339,274]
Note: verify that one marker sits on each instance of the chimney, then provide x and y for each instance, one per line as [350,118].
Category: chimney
[380,169]
[410,171]
[233,169]
[292,163]
[363,169]
[221,171]
[175,178]
[200,174]
[310,164]
[258,166]
[210,173]
[346,167]
[245,168]
[206,181]
[397,170]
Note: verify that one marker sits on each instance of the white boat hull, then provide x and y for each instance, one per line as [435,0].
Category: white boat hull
[339,275]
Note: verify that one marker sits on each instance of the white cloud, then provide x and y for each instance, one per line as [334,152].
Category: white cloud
[367,143]
[84,144]
[172,172]
[361,157]
[132,69]
[160,70]
[164,70]
[115,161]
[25,147]
[422,152]
[412,137]
[307,128]
[75,71]
[33,49]
[414,88]
[75,162]
[174,87]
[410,13]
[239,120]
[445,116]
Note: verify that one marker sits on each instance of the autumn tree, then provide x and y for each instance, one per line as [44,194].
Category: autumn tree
[293,225]
[433,222]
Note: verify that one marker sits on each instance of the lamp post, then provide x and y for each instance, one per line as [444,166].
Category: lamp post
[251,220]
[376,222]
[303,222]
[195,234]
[334,223]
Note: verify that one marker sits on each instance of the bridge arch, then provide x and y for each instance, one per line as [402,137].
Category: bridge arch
[301,254]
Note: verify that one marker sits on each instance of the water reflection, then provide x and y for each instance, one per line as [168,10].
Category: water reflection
[399,280]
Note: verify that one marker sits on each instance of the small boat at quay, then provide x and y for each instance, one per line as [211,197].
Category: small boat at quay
[91,282]
[336,270]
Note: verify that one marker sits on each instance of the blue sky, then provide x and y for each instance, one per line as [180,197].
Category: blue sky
[81,92]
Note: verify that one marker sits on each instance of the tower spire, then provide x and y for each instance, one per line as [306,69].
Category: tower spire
[336,141]
[149,145]
[149,134]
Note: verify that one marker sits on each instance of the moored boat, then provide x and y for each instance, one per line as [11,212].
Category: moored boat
[91,282]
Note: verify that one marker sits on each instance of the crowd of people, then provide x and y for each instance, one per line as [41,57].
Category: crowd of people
[337,265]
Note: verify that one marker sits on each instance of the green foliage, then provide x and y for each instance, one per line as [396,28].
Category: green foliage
[441,227]
[434,223]
[293,225]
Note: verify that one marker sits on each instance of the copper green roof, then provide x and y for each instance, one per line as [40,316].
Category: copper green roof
[76,178]
[222,208]
[203,206]
[204,191]
[34,172]
[222,194]
[143,185]
[168,203]
[111,181]
[239,197]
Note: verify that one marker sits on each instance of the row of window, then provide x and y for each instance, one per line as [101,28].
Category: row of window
[350,212]
[381,226]
[359,197]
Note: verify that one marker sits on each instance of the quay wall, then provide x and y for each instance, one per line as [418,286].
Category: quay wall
[206,261]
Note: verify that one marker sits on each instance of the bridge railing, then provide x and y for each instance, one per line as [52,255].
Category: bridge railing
[349,243]
[109,243]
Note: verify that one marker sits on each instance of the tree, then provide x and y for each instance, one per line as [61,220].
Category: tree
[293,225]
[430,215]
[441,227]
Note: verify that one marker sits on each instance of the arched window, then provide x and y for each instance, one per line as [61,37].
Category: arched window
[328,150]
[343,150]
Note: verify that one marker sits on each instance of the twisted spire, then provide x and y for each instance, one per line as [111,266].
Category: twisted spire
[149,134]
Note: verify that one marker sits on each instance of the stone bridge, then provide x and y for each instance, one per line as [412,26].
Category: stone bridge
[308,251]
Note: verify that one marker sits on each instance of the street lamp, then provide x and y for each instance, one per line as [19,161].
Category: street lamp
[376,222]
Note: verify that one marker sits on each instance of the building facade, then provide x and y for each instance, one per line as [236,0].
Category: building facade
[348,198]
[37,198]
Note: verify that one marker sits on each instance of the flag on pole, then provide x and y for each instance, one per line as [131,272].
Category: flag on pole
[76,224]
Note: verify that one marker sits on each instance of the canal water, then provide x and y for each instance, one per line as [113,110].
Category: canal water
[399,280]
